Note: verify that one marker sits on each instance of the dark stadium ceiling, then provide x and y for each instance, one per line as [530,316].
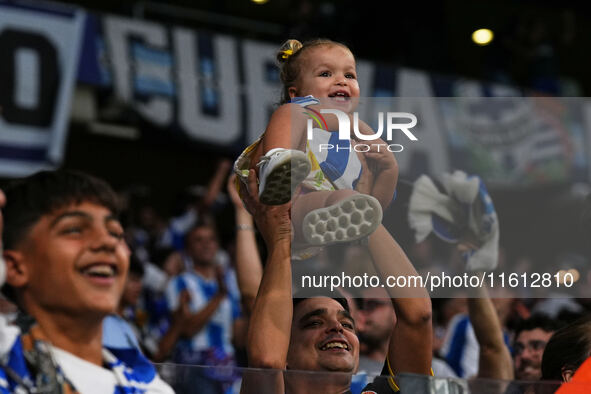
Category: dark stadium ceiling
[533,39]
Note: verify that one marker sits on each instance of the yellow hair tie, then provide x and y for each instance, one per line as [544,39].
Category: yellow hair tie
[287,53]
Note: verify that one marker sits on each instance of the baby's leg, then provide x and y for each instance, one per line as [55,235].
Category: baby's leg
[288,126]
[279,159]
[286,129]
[329,217]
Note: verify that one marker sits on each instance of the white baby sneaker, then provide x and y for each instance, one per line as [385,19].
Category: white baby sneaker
[281,171]
[350,219]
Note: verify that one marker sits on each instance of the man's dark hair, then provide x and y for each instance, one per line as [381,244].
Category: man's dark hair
[342,301]
[30,198]
[302,295]
[540,321]
[567,349]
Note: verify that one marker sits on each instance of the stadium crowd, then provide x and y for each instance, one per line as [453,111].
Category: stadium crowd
[187,300]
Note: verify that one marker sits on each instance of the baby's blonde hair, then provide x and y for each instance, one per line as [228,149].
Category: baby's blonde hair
[289,56]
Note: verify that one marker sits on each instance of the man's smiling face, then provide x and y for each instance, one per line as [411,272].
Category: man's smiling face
[323,337]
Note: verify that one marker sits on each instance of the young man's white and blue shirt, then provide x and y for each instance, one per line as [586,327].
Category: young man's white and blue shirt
[123,370]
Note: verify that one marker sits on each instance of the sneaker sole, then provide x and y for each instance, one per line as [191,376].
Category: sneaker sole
[285,178]
[348,220]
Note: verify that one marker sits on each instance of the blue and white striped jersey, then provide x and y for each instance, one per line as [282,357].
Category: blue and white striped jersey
[339,164]
[216,336]
[125,370]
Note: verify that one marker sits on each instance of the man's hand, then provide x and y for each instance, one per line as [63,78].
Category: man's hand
[273,221]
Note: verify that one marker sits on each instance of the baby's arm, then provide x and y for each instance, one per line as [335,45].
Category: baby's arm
[382,164]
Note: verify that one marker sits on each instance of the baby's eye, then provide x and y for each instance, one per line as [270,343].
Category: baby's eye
[351,76]
[325,74]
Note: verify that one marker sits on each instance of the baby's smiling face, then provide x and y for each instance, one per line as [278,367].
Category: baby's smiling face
[328,72]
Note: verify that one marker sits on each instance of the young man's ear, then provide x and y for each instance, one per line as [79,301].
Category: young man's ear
[17,272]
[292,92]
[567,375]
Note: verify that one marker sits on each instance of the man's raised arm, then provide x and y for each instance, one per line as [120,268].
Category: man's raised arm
[270,323]
[410,348]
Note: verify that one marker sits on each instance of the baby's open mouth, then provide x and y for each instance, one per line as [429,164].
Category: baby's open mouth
[340,96]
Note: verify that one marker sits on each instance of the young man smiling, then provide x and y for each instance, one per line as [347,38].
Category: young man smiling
[66,264]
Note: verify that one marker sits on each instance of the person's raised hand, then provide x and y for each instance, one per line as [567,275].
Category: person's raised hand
[183,312]
[233,192]
[273,221]
[221,280]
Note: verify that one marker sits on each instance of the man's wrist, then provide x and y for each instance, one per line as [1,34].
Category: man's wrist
[280,247]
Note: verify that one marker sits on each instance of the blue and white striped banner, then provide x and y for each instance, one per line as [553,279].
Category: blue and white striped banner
[39,50]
